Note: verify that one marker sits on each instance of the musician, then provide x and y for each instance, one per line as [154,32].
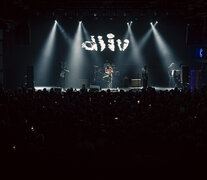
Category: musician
[109,70]
[171,70]
[63,71]
[108,73]
[145,76]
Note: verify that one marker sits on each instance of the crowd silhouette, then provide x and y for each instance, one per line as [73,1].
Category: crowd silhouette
[105,129]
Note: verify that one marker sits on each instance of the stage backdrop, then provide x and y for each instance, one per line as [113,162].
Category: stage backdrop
[101,40]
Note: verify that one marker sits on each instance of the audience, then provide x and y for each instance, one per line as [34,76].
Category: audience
[105,129]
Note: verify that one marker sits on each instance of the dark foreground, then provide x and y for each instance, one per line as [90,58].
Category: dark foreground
[147,129]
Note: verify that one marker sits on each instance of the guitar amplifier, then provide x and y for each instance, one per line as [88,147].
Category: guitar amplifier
[94,88]
[136,83]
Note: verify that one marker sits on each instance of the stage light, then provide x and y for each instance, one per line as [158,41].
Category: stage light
[201,53]
[56,22]
[80,22]
[14,147]
[129,23]
[154,25]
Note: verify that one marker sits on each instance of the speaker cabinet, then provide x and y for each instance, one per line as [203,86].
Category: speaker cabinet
[136,83]
[195,79]
[94,88]
[185,76]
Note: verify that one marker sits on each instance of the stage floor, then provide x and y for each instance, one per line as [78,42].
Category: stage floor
[104,89]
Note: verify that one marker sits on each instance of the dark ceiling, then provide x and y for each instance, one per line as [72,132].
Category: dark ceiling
[190,10]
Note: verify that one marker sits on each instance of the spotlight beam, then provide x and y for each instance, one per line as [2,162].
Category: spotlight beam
[165,51]
[75,58]
[137,47]
[65,35]
[45,57]
[85,32]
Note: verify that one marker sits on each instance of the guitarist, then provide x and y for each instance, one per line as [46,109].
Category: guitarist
[63,72]
[171,70]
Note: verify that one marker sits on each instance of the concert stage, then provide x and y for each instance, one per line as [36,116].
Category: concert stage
[48,88]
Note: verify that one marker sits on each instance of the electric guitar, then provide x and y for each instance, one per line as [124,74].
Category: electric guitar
[62,74]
